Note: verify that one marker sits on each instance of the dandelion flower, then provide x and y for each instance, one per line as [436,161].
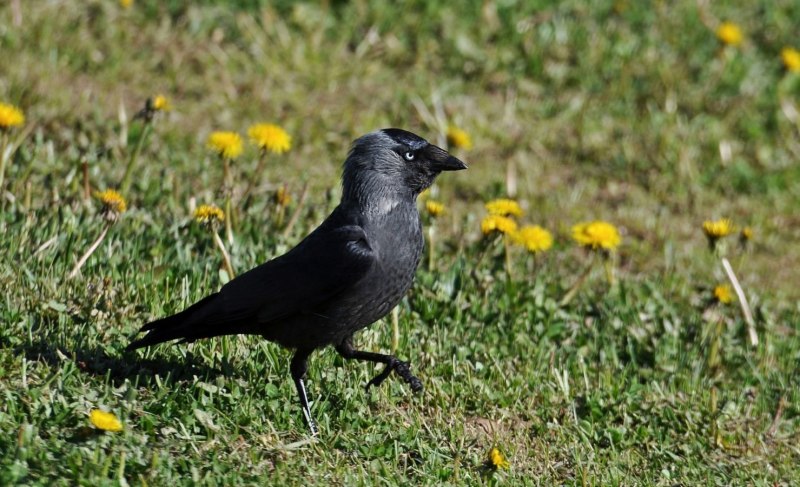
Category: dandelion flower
[718,229]
[10,116]
[504,207]
[791,59]
[229,146]
[113,205]
[282,196]
[209,214]
[161,103]
[497,460]
[730,34]
[269,137]
[126,3]
[458,138]
[105,421]
[112,201]
[597,235]
[226,144]
[434,208]
[152,105]
[723,294]
[600,236]
[497,223]
[534,238]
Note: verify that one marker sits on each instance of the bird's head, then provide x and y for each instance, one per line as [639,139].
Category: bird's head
[394,160]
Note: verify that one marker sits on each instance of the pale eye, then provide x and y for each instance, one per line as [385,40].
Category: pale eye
[409,156]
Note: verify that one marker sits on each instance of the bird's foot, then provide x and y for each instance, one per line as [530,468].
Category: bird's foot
[403,369]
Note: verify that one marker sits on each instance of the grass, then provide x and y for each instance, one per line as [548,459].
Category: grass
[631,112]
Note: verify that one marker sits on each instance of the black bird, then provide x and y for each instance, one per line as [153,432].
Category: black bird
[345,275]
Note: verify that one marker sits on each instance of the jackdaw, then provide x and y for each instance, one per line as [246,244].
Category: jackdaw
[345,275]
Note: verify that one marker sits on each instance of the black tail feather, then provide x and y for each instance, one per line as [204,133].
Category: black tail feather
[160,331]
[188,325]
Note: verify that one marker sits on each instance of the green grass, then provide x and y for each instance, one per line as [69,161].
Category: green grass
[618,111]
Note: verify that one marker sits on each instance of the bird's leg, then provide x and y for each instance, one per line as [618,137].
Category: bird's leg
[298,368]
[403,369]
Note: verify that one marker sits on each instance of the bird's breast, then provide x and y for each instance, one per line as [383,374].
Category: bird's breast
[398,244]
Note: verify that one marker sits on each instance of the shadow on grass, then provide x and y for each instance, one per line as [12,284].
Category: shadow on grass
[125,366]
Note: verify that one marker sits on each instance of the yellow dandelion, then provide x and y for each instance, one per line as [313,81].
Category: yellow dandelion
[105,421]
[723,294]
[10,116]
[504,207]
[458,138]
[791,59]
[153,104]
[434,208]
[282,196]
[113,205]
[226,144]
[498,223]
[730,34]
[717,229]
[597,235]
[112,201]
[746,234]
[269,137]
[534,238]
[209,214]
[161,103]
[126,3]
[497,460]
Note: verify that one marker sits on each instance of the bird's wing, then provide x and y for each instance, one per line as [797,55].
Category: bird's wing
[326,263]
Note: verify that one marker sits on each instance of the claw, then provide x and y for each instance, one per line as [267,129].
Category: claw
[403,369]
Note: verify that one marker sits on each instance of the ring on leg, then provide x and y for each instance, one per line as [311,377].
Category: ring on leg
[298,367]
[301,389]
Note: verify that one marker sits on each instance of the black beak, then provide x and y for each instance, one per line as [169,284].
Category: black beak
[441,160]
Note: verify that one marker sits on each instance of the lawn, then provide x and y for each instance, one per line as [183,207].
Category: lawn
[580,366]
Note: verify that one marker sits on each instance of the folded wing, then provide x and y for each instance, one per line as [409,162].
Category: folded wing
[326,263]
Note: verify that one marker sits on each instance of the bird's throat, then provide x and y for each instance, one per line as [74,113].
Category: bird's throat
[375,198]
